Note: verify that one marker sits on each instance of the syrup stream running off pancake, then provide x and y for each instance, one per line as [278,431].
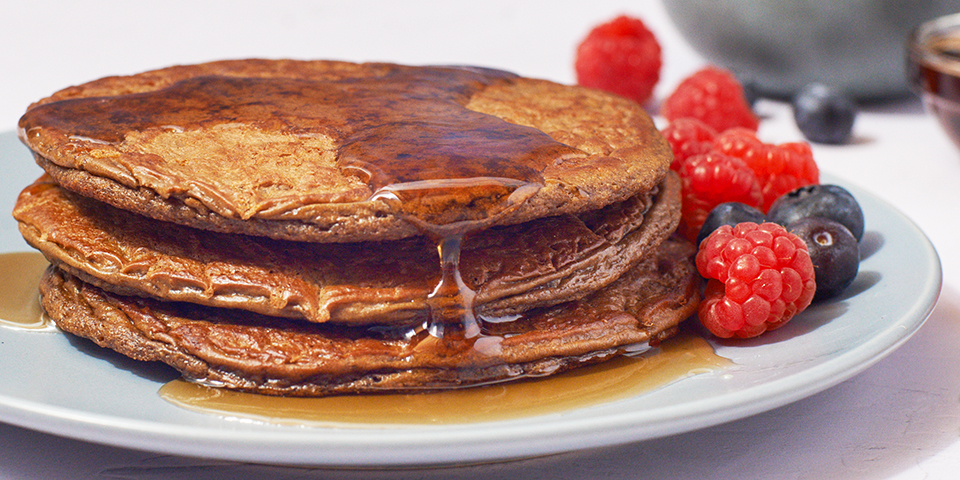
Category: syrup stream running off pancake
[453,173]
[451,318]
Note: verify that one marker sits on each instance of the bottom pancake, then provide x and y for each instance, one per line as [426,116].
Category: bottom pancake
[250,352]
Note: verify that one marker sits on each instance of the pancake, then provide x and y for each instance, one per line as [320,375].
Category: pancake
[250,352]
[304,150]
[512,269]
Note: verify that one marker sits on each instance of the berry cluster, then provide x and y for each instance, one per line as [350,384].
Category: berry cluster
[624,57]
[771,238]
[709,180]
[830,221]
[779,168]
[733,166]
[687,137]
[826,219]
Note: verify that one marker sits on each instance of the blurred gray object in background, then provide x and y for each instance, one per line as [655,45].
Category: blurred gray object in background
[782,45]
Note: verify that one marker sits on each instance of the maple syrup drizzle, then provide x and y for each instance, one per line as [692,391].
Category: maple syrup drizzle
[677,358]
[19,298]
[937,77]
[451,302]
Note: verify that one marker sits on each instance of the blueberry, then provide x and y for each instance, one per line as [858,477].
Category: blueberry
[827,201]
[730,213]
[833,251]
[751,91]
[824,114]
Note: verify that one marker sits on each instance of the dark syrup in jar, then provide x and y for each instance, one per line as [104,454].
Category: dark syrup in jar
[934,67]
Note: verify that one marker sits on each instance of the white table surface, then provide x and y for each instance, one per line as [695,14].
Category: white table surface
[900,419]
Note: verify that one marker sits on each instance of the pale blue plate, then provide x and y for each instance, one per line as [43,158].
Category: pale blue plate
[68,388]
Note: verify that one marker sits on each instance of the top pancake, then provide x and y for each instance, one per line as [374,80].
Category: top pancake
[295,149]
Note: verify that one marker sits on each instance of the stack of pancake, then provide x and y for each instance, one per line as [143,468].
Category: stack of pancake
[314,228]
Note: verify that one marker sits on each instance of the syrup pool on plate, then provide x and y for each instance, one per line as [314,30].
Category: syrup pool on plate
[676,358]
[19,276]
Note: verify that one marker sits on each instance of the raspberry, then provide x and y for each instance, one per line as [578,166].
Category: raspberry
[713,96]
[621,56]
[709,180]
[780,168]
[758,277]
[688,137]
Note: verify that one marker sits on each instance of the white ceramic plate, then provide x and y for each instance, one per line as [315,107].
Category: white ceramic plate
[54,384]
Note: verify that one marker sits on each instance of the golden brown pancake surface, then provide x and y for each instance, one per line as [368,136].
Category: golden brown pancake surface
[297,149]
